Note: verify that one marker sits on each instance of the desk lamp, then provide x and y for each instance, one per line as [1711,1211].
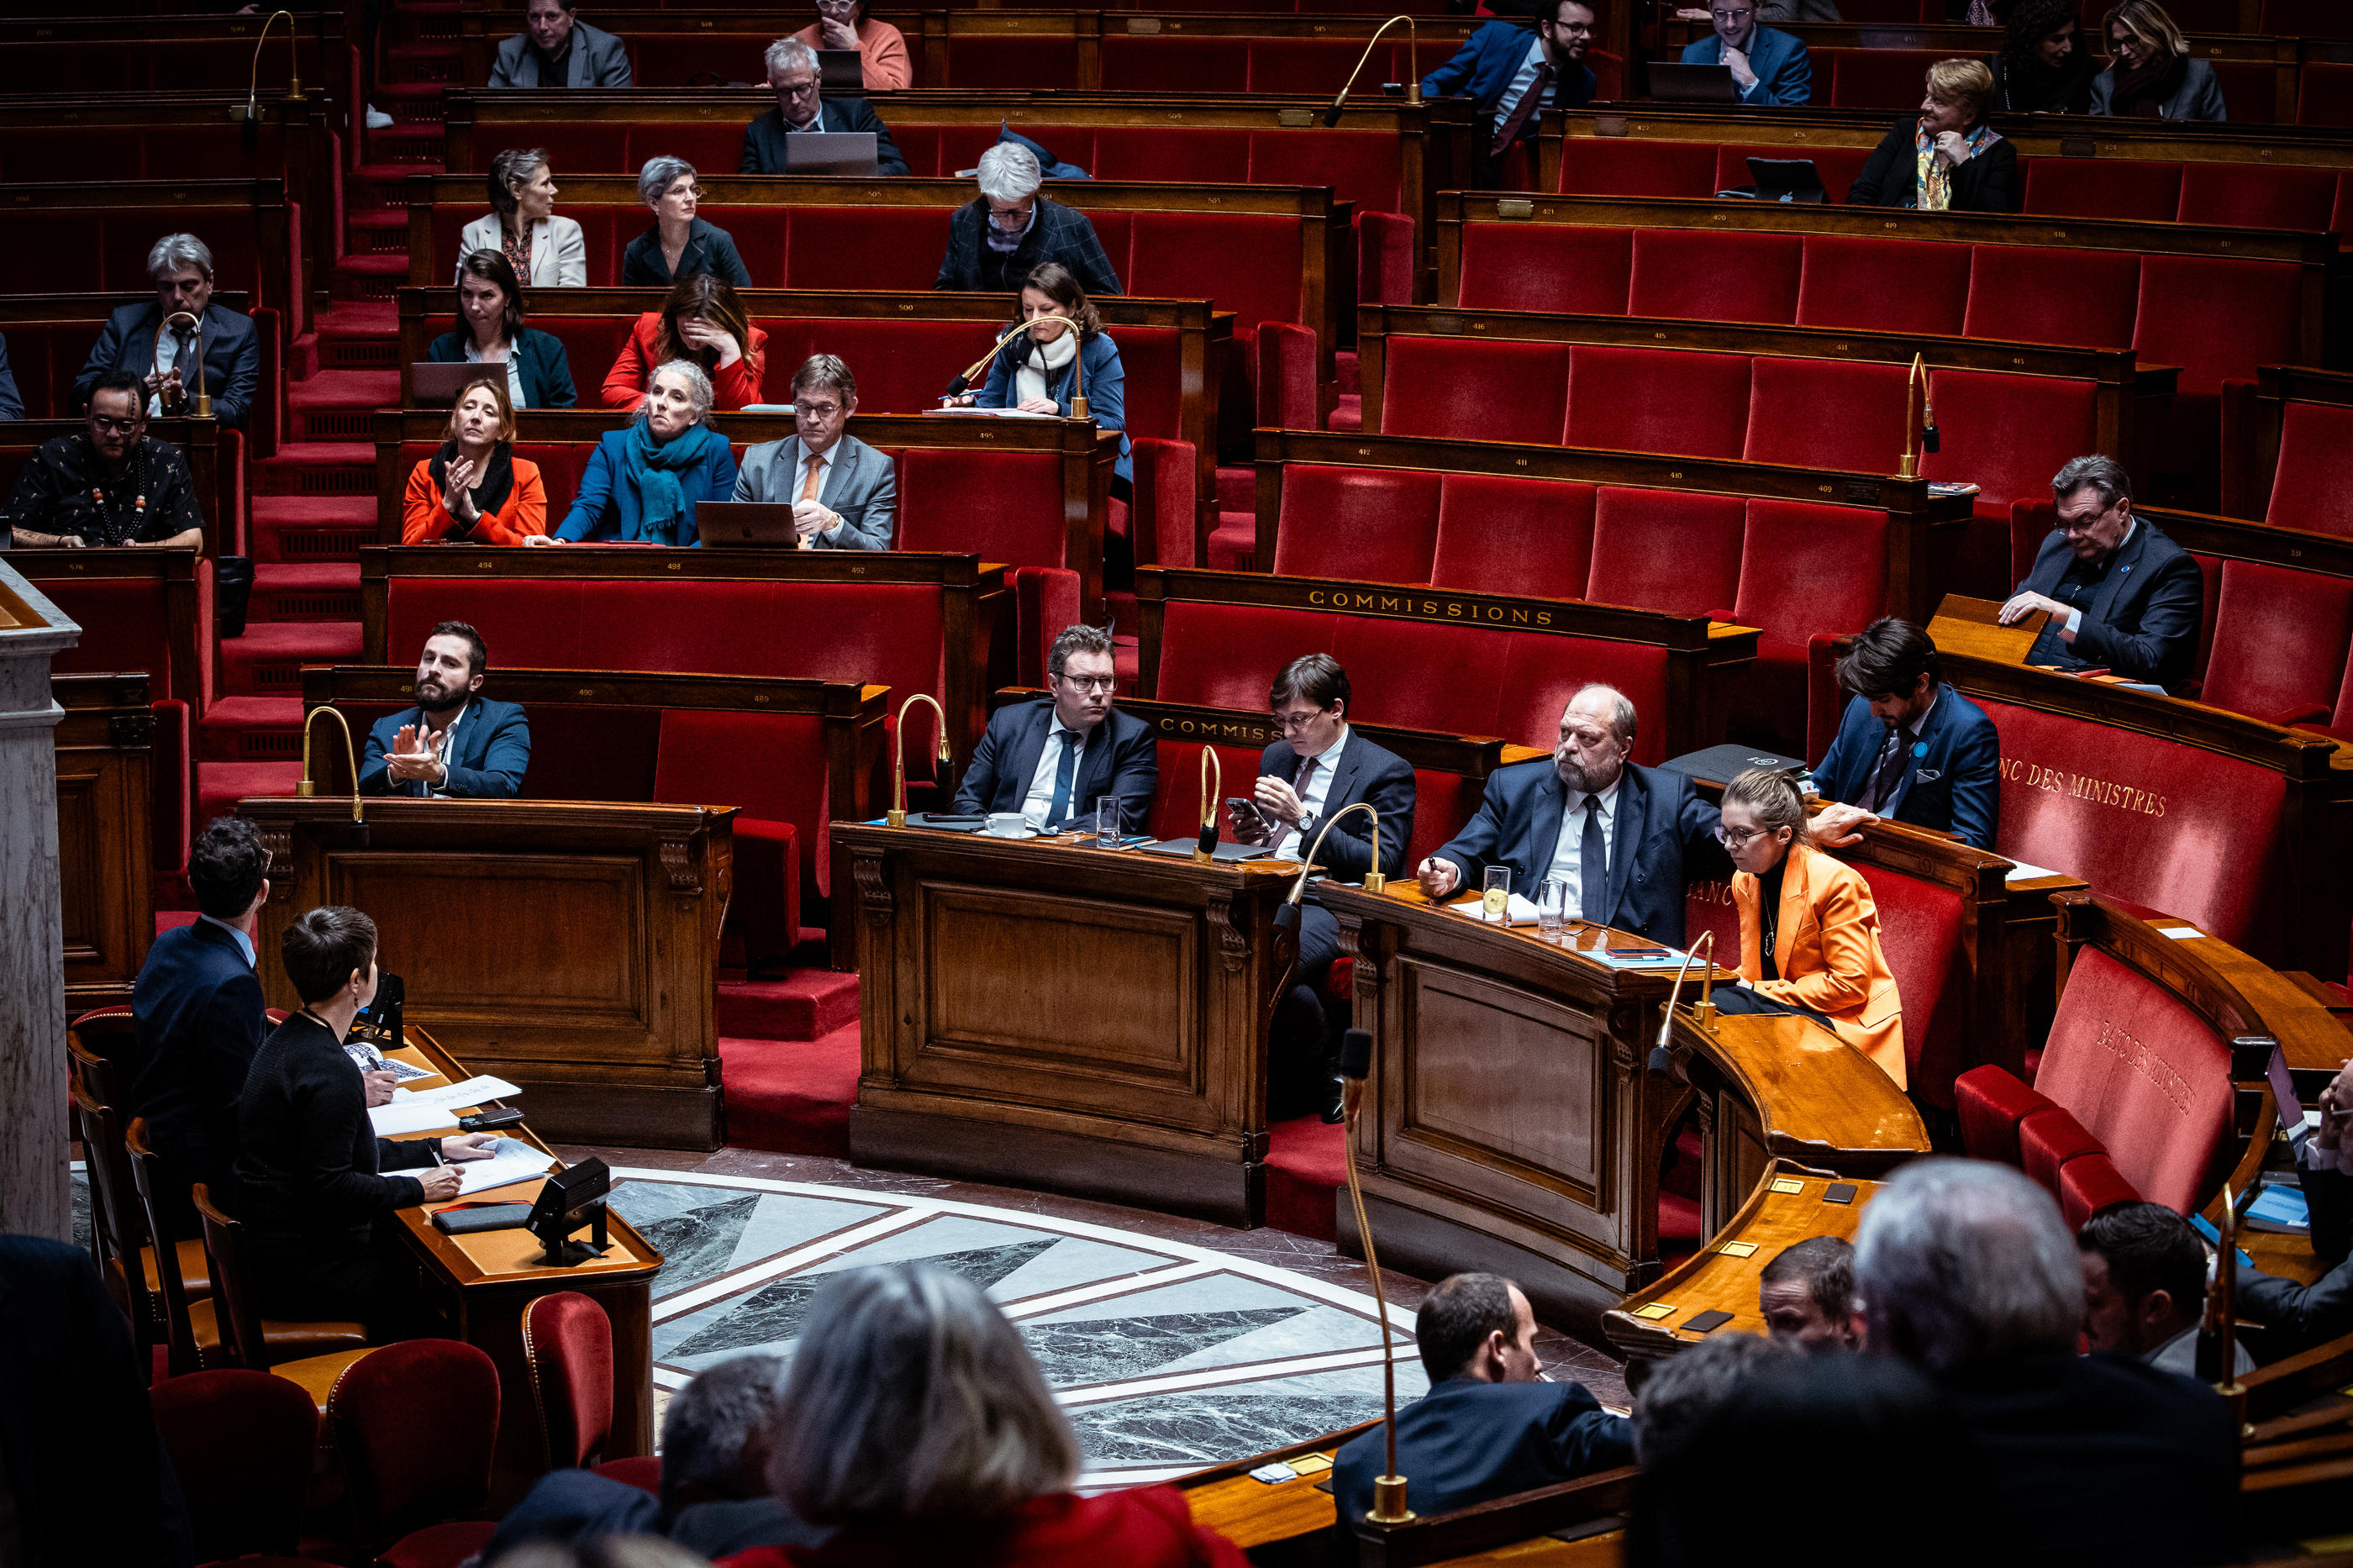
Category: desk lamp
[1412,61]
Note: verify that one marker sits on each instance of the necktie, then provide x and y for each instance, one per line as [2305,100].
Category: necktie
[1063,772]
[1593,866]
[1523,112]
[815,479]
[1890,769]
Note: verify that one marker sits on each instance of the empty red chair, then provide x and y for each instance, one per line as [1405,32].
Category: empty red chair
[2137,190]
[1873,79]
[2324,93]
[567,1343]
[1990,1105]
[415,1425]
[2255,196]
[2089,1184]
[2008,433]
[1805,571]
[1701,276]
[772,766]
[1467,389]
[2315,459]
[2280,639]
[1920,930]
[1659,400]
[1422,675]
[1546,267]
[2034,294]
[1369,525]
[1675,551]
[1497,534]
[1882,285]
[1625,167]
[1223,656]
[1830,414]
[2218,318]
[242,1444]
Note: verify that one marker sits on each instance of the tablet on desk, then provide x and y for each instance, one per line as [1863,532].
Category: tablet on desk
[761,524]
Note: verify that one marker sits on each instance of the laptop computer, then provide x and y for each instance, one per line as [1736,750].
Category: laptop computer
[1671,81]
[845,155]
[1787,180]
[840,72]
[436,385]
[758,524]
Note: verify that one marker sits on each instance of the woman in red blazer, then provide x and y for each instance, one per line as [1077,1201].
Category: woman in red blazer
[702,321]
[916,1424]
[475,491]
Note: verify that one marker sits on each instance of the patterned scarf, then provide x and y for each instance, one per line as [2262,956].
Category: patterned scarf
[1935,178]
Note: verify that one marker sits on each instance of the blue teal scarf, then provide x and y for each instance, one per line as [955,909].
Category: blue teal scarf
[651,469]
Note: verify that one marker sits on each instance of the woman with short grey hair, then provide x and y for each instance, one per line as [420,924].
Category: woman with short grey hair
[915,1421]
[643,480]
[678,243]
[545,251]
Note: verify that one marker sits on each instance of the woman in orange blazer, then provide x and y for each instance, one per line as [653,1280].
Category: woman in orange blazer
[475,491]
[1808,928]
[702,321]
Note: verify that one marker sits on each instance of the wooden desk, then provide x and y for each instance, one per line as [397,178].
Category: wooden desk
[106,834]
[1787,1204]
[488,1279]
[1253,1514]
[1046,1016]
[574,945]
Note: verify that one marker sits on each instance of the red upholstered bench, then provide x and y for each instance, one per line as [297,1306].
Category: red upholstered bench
[2281,640]
[2308,489]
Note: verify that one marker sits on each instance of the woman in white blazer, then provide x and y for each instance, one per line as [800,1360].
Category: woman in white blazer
[522,203]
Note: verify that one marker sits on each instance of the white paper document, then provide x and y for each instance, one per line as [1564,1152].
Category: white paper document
[415,1110]
[1517,911]
[511,1159]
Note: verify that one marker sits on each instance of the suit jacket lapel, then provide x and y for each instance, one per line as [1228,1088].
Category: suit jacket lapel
[2120,572]
[1543,831]
[1339,792]
[1026,753]
[1796,897]
[1626,838]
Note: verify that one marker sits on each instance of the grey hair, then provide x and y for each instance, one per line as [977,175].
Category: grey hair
[175,251]
[712,1420]
[659,175]
[1622,717]
[698,386]
[913,1398]
[1687,1389]
[514,167]
[1008,173]
[2092,472]
[788,52]
[1960,1261]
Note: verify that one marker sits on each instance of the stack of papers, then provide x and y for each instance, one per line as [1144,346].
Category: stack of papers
[511,1159]
[1517,911]
[413,1110]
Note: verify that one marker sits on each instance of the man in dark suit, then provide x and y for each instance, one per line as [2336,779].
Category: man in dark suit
[556,48]
[1514,73]
[997,240]
[1966,1270]
[453,742]
[1053,760]
[1486,1428]
[2121,594]
[2302,1316]
[1320,768]
[1910,747]
[792,76]
[197,1020]
[182,267]
[1626,839]
[83,1476]
[1769,66]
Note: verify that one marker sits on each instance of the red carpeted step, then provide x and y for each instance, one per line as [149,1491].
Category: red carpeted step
[367,277]
[1678,1227]
[311,528]
[318,469]
[1348,413]
[268,660]
[1305,1164]
[1236,488]
[1344,370]
[418,148]
[379,184]
[803,1004]
[305,591]
[251,730]
[1233,542]
[790,1096]
[338,404]
[220,786]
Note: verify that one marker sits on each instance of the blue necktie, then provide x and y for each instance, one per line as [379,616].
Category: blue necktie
[1063,772]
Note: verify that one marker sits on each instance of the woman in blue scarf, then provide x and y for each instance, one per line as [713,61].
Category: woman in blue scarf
[644,479]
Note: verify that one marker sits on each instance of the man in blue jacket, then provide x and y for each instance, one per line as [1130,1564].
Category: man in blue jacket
[1910,747]
[1514,73]
[1486,1428]
[1769,66]
[454,741]
[182,267]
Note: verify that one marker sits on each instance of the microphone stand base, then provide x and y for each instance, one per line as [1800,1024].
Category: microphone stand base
[1388,1502]
[894,818]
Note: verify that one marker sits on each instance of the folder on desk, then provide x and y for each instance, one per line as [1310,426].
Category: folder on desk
[1227,852]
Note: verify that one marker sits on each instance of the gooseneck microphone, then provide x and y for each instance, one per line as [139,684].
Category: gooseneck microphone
[962,384]
[1413,68]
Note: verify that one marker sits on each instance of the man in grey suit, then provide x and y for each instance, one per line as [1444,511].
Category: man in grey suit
[844,494]
[556,48]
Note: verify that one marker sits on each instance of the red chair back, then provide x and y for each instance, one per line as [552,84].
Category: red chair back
[242,1445]
[415,1425]
[568,1343]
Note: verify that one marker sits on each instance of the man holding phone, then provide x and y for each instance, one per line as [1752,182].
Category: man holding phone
[2302,1316]
[1317,769]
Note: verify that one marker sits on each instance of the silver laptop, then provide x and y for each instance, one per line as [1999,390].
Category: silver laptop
[845,155]
[758,524]
[1671,81]
[437,385]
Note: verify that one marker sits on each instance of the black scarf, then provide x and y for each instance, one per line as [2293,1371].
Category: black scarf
[2030,86]
[491,491]
[2143,92]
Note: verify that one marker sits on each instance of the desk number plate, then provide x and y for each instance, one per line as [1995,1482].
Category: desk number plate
[1788,1185]
[1654,1311]
[1738,1249]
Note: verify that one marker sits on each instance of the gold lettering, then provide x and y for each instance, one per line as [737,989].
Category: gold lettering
[1314,596]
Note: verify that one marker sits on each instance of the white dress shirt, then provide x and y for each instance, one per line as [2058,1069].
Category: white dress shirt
[169,345]
[1522,80]
[1568,852]
[443,744]
[1040,799]
[1312,798]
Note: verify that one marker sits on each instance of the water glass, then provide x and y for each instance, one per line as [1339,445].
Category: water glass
[1496,902]
[1108,822]
[1552,907]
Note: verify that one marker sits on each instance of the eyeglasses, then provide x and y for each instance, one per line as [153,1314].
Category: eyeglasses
[1574,30]
[806,84]
[1734,837]
[692,193]
[1089,682]
[1732,16]
[1009,218]
[1287,722]
[121,427]
[816,410]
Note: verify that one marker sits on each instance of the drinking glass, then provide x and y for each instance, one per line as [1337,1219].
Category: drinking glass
[1496,902]
[1107,822]
[1552,907]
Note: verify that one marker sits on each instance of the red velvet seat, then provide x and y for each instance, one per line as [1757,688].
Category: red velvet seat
[2089,1184]
[416,1500]
[1373,525]
[2250,91]
[2281,641]
[1468,389]
[2217,317]
[2008,433]
[1674,551]
[2029,294]
[1542,673]
[1990,1104]
[1177,801]
[568,1343]
[1716,277]
[2048,1138]
[2324,93]
[242,1444]
[2256,195]
[1830,414]
[2137,190]
[1544,266]
[773,767]
[1882,285]
[1805,571]
[1920,930]
[1619,166]
[1658,400]
[1497,534]
[1873,78]
[2308,490]
[1144,64]
[1362,167]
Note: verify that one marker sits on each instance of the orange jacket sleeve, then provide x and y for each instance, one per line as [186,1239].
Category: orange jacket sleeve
[526,512]
[422,520]
[1848,933]
[625,384]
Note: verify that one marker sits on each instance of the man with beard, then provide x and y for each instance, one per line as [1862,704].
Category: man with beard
[108,485]
[453,742]
[1626,839]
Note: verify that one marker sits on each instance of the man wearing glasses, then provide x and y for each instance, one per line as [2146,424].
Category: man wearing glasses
[999,238]
[1054,759]
[109,485]
[1514,76]
[844,494]
[1769,66]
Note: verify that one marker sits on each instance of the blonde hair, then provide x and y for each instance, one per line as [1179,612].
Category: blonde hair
[2144,20]
[494,382]
[1771,796]
[1962,81]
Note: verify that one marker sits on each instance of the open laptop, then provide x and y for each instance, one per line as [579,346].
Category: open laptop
[1787,180]
[1671,81]
[435,386]
[756,524]
[840,72]
[845,155]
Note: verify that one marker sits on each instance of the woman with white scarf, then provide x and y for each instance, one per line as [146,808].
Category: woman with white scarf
[1034,372]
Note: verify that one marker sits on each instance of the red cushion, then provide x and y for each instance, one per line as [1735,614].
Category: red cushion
[1624,166]
[2324,93]
[1250,263]
[1176,801]
[1546,267]
[2281,638]
[2048,1138]
[1502,535]
[1677,550]
[1374,525]
[850,247]
[1920,930]
[1716,277]
[1837,166]
[1365,167]
[2244,196]
[1658,400]
[1467,389]
[1806,568]
[1147,153]
[2028,294]
[1873,78]
[2088,1185]
[1542,673]
[1828,414]
[2217,317]
[2137,190]
[2250,88]
[398,1483]
[2008,433]
[568,1344]
[2145,1075]
[2308,490]
[242,1444]
[1882,285]
[1007,506]
[1989,1104]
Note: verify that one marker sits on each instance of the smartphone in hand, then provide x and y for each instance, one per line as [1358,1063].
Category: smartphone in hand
[1249,822]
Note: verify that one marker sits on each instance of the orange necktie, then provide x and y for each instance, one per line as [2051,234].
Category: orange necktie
[809,489]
